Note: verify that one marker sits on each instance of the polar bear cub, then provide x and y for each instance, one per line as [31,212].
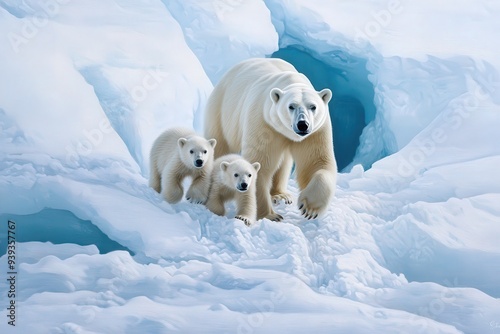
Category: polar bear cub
[233,177]
[176,154]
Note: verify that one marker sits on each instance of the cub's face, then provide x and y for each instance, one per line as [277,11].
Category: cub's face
[298,110]
[239,174]
[196,151]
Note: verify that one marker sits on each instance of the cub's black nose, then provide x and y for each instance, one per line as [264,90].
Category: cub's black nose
[198,162]
[302,126]
[244,186]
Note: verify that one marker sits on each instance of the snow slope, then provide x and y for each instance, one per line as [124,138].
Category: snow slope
[408,245]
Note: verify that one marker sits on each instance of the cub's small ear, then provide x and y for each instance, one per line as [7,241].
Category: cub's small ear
[256,166]
[181,142]
[224,165]
[212,142]
[276,94]
[326,95]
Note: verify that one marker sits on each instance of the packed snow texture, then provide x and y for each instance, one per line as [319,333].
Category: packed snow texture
[409,244]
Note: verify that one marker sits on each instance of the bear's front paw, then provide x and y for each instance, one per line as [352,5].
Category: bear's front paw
[246,220]
[308,212]
[274,217]
[309,208]
[282,197]
[314,199]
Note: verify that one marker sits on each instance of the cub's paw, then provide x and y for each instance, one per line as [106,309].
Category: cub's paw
[286,197]
[246,220]
[196,200]
[196,197]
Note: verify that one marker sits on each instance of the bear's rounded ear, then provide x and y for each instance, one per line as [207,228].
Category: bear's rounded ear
[181,142]
[212,142]
[256,166]
[276,94]
[224,165]
[326,95]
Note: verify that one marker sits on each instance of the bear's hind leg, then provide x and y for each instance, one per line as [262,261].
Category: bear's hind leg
[213,126]
[222,147]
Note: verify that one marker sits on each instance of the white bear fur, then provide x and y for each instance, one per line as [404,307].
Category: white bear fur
[255,110]
[229,174]
[173,157]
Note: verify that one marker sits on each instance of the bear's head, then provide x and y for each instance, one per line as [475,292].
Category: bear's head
[239,174]
[196,151]
[298,110]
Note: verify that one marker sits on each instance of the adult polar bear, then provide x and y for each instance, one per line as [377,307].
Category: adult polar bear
[270,113]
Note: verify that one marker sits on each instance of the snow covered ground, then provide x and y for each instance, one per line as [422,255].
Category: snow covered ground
[410,244]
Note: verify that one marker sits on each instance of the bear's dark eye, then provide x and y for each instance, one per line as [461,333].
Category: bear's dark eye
[205,152]
[191,151]
[249,175]
[291,107]
[313,108]
[236,175]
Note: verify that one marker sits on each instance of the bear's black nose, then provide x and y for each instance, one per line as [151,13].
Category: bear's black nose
[198,162]
[244,185]
[302,126]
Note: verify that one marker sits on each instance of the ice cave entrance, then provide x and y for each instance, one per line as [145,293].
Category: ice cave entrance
[351,107]
[60,227]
